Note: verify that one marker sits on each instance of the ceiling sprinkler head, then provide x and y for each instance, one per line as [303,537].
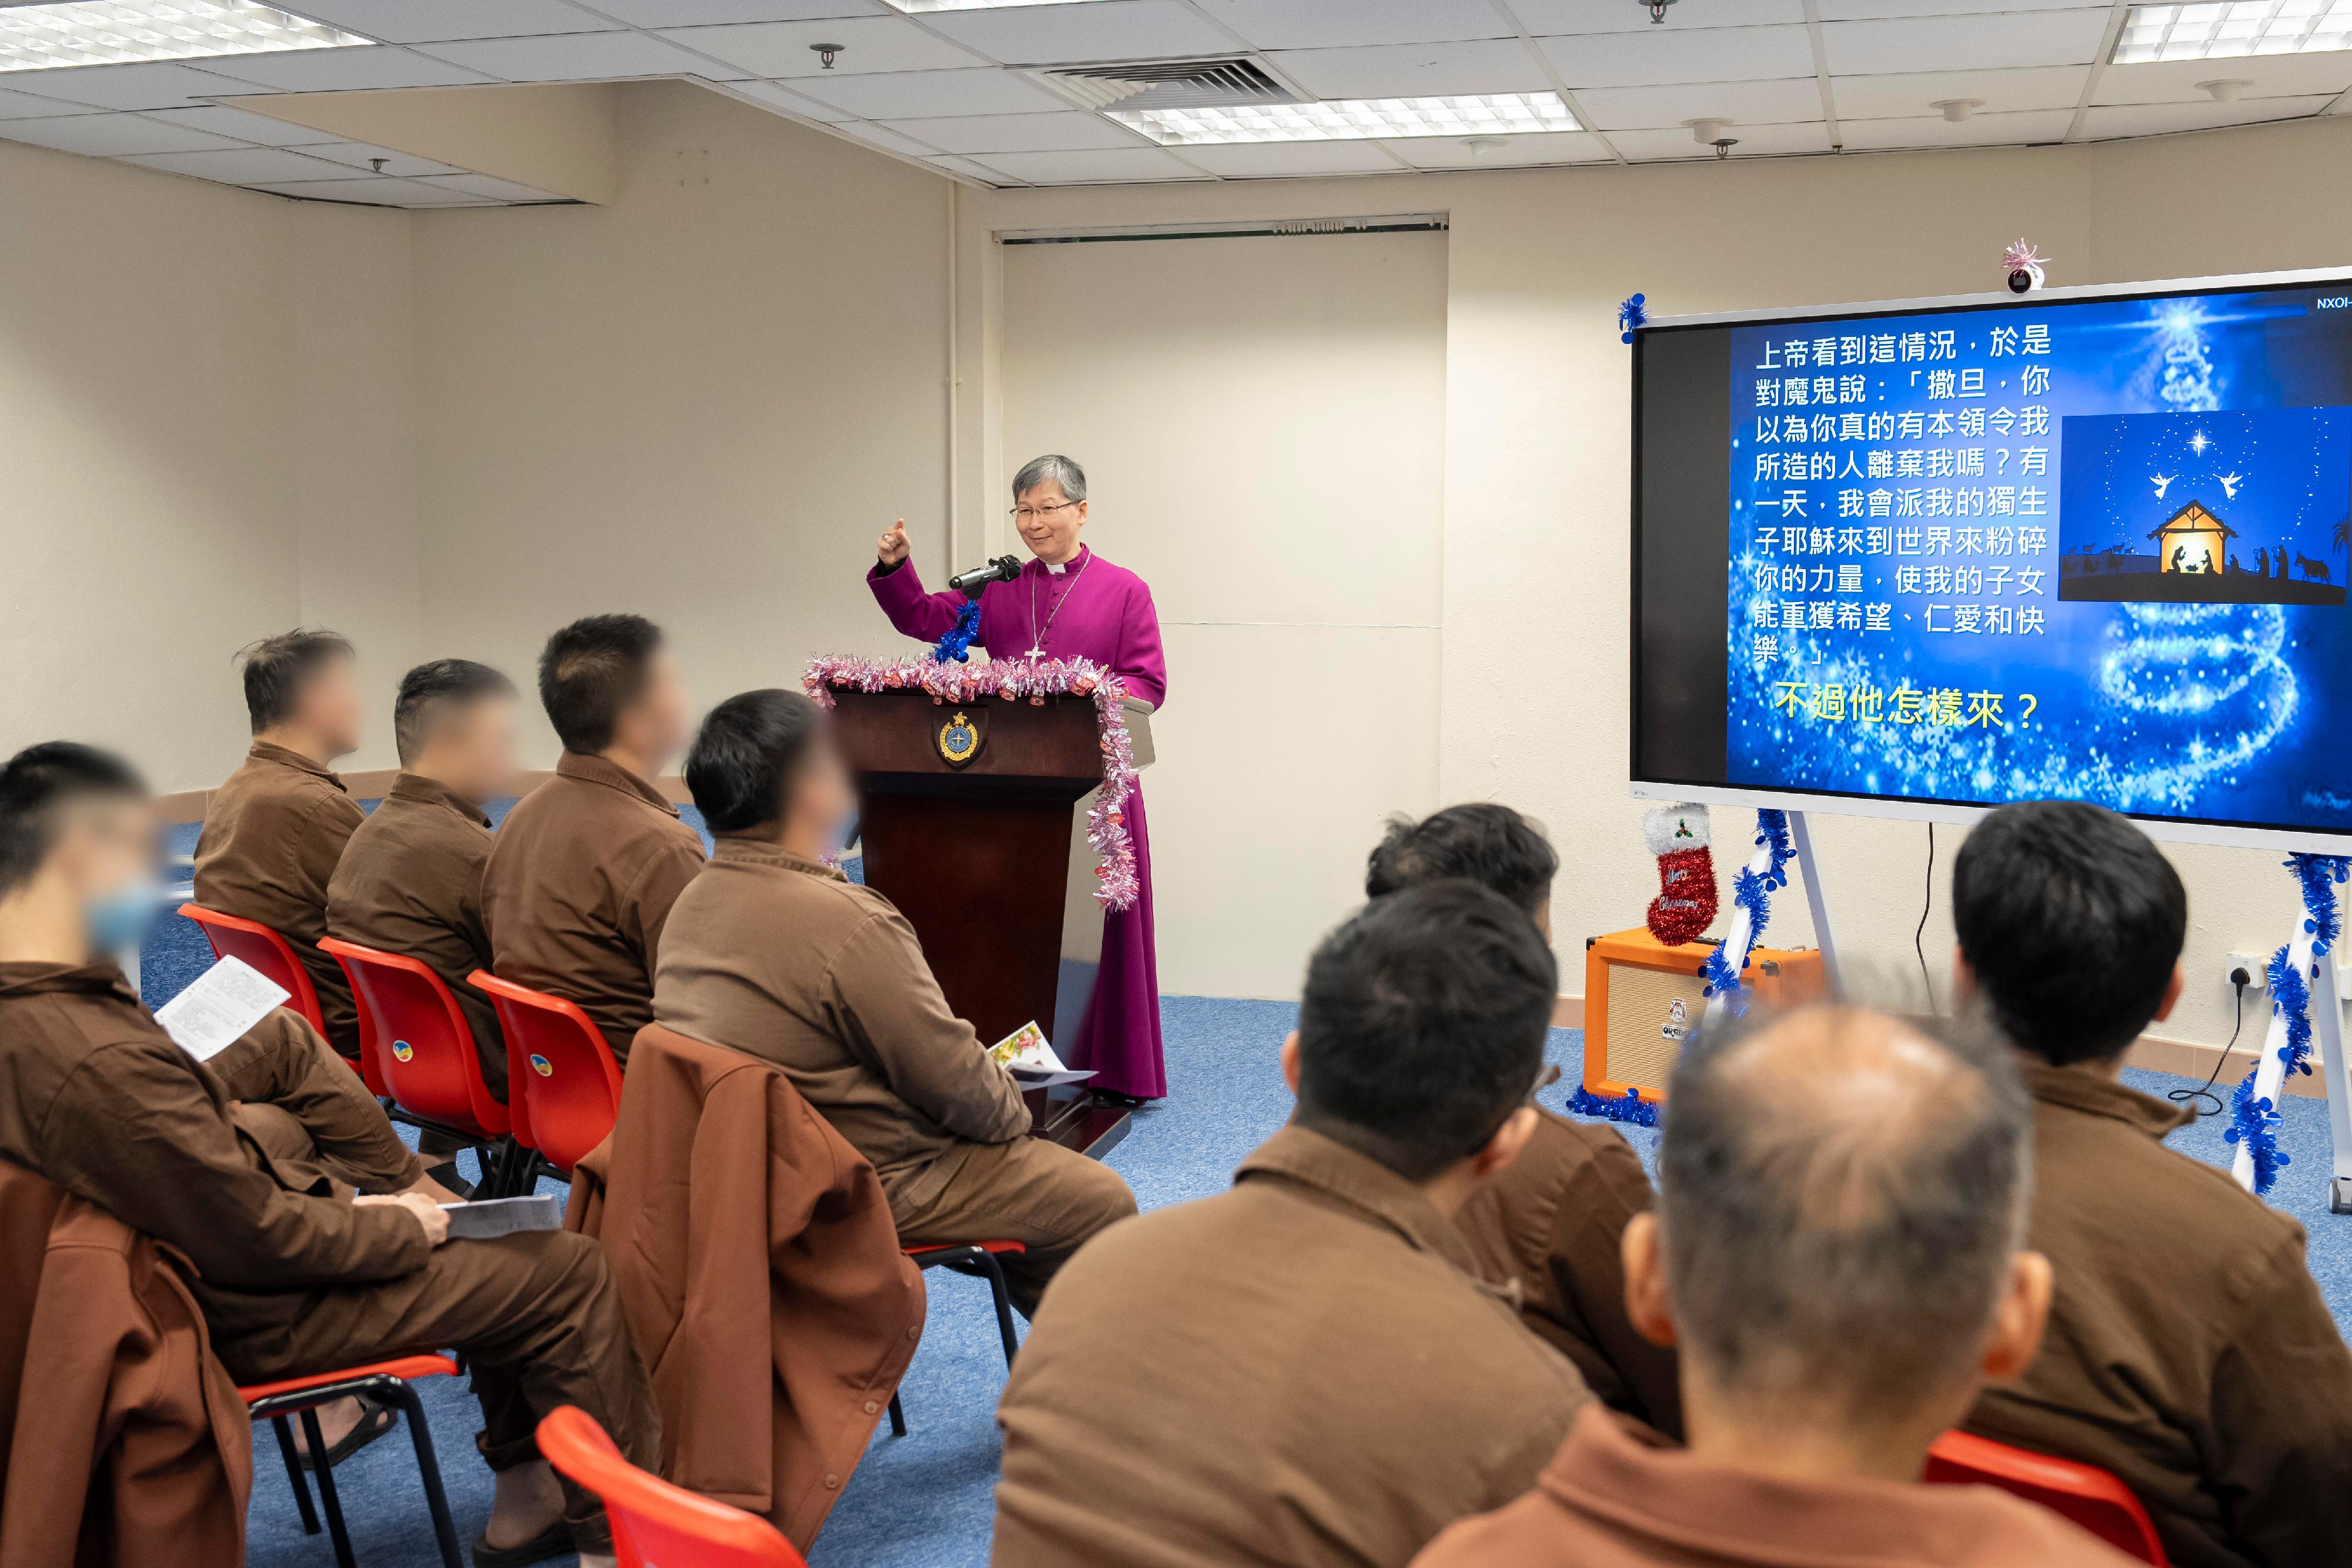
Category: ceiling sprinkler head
[2228,90]
[1955,109]
[1656,8]
[825,52]
[1723,145]
[1482,145]
[377,164]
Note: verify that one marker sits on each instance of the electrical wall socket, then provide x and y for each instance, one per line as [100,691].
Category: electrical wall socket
[2257,967]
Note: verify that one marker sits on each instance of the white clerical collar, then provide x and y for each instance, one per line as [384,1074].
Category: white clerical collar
[1058,570]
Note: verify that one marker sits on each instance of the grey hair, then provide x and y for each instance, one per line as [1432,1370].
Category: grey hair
[1840,1195]
[1051,469]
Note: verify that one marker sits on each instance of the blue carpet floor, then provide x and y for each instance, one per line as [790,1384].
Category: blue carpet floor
[923,1500]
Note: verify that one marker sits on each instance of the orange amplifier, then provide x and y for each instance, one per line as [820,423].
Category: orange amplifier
[1642,998]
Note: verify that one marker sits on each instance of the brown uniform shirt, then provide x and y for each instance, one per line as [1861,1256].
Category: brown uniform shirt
[2189,1350]
[579,884]
[787,960]
[1299,1371]
[1617,1498]
[96,1098]
[410,882]
[1555,1222]
[272,835]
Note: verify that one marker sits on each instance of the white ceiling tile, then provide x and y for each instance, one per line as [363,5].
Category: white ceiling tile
[431,21]
[1935,130]
[1515,151]
[153,85]
[1755,140]
[788,49]
[571,56]
[971,171]
[2157,119]
[1862,10]
[29,106]
[371,190]
[238,125]
[344,70]
[111,135]
[2266,76]
[1742,102]
[887,140]
[701,13]
[1415,70]
[1054,34]
[1068,133]
[1543,17]
[487,187]
[1338,23]
[1291,160]
[357,156]
[242,166]
[1117,166]
[1660,57]
[911,95]
[769,96]
[1910,92]
[1965,42]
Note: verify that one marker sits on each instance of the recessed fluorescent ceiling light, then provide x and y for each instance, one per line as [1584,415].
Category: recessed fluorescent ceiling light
[975,5]
[1473,114]
[2222,28]
[111,32]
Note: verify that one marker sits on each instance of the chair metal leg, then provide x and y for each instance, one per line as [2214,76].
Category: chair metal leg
[897,1416]
[428,1469]
[294,1475]
[328,1503]
[996,1288]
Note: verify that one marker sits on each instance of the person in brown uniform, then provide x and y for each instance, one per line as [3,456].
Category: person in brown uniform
[274,830]
[1554,1222]
[295,1273]
[1837,1250]
[1303,1370]
[586,867]
[2190,1352]
[772,952]
[411,878]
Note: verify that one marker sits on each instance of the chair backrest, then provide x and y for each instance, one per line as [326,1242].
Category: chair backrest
[656,1524]
[418,1040]
[257,945]
[564,1088]
[2087,1495]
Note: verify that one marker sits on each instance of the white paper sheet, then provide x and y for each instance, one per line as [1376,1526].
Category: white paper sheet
[218,1006]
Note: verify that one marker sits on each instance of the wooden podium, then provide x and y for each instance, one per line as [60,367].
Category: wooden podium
[973,819]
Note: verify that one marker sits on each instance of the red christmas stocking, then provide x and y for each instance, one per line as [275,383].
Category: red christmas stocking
[1685,906]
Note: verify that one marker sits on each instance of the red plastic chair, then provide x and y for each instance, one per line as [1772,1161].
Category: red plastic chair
[419,1045]
[654,1522]
[564,1088]
[977,1258]
[2087,1495]
[234,938]
[384,1380]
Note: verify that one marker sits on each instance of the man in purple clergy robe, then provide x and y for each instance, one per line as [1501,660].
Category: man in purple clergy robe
[1068,604]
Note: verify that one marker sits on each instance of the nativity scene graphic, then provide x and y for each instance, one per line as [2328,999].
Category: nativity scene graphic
[2211,508]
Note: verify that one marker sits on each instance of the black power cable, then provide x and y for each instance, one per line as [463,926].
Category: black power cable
[2239,980]
[1927,902]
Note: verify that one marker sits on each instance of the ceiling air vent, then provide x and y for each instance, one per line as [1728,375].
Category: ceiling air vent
[1224,83]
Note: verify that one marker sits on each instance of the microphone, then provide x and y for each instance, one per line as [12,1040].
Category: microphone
[1003,568]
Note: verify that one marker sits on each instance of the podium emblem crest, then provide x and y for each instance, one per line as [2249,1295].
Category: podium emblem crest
[959,739]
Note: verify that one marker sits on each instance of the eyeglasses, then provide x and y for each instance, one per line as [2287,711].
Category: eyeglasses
[1030,514]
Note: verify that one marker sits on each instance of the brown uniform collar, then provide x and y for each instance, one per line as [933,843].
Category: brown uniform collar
[285,757]
[1303,1157]
[432,792]
[2094,1093]
[612,775]
[102,978]
[741,849]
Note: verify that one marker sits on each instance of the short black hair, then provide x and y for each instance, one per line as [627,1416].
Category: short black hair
[1491,845]
[1423,1026]
[750,748]
[433,689]
[589,672]
[37,784]
[2071,921]
[275,669]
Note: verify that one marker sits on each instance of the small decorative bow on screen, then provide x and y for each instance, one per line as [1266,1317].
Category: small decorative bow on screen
[1631,315]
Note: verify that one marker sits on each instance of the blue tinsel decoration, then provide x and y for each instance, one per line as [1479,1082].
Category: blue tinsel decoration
[2254,1124]
[1632,317]
[1628,1107]
[2318,875]
[961,636]
[1754,894]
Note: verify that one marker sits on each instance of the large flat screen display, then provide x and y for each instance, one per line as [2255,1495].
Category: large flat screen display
[1926,558]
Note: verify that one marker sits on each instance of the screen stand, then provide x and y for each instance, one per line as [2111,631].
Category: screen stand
[1740,940]
[2327,1023]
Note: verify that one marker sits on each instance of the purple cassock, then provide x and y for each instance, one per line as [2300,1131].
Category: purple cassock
[1087,609]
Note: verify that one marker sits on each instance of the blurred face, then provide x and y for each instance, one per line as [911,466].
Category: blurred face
[106,853]
[654,727]
[329,707]
[824,799]
[473,749]
[1049,522]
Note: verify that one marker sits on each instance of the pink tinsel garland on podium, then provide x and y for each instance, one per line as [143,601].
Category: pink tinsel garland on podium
[1010,680]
